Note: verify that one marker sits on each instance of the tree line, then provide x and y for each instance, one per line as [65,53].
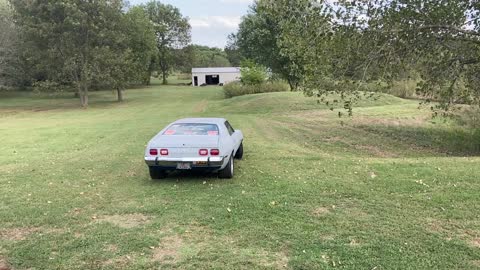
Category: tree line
[84,45]
[346,46]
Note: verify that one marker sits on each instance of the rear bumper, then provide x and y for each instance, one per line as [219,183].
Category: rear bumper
[208,163]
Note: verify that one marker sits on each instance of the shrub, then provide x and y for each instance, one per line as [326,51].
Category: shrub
[476,140]
[47,87]
[253,74]
[403,89]
[238,89]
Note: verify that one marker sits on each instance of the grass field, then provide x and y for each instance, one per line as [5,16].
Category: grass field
[389,188]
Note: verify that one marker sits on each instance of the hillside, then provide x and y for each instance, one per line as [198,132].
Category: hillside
[387,188]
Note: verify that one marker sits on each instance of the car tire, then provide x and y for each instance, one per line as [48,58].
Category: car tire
[239,154]
[157,173]
[227,172]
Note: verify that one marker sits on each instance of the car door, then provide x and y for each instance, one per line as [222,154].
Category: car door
[235,136]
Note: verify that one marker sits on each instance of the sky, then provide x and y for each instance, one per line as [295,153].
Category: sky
[211,20]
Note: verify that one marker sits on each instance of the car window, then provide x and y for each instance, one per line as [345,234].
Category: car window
[192,129]
[229,128]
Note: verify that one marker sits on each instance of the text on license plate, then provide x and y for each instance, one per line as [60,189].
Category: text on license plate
[184,166]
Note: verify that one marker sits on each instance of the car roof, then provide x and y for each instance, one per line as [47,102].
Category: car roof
[217,121]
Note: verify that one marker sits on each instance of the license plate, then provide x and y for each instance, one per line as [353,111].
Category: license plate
[201,163]
[184,166]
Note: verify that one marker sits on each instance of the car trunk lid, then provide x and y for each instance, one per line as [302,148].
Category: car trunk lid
[185,146]
[171,141]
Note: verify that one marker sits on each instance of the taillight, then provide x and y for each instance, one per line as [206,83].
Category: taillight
[203,152]
[164,152]
[153,152]
[214,152]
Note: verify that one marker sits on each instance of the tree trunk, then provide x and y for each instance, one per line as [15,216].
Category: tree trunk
[85,100]
[84,96]
[164,74]
[293,86]
[79,94]
[119,94]
[148,77]
[81,99]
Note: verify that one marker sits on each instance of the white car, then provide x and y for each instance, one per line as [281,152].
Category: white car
[209,144]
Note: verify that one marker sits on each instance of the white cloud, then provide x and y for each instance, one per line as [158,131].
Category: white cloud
[229,22]
[199,23]
[237,1]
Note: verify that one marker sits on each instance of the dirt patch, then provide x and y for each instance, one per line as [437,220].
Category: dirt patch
[197,234]
[476,263]
[447,228]
[334,139]
[475,242]
[78,235]
[17,234]
[111,248]
[75,212]
[20,234]
[125,221]
[201,107]
[4,265]
[169,250]
[320,212]
[435,226]
[278,260]
[119,262]
[354,243]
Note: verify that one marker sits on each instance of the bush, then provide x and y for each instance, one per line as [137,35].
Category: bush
[238,89]
[252,73]
[403,89]
[47,87]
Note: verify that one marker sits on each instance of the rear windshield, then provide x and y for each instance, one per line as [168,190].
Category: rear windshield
[192,129]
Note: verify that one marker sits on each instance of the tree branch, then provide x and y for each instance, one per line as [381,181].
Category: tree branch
[452,28]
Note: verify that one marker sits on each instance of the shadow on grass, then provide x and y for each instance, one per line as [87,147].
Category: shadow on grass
[66,101]
[450,141]
[189,176]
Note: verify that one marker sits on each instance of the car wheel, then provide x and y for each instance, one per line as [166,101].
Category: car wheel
[239,154]
[227,172]
[156,173]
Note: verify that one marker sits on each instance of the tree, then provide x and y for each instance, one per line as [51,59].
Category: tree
[172,32]
[209,57]
[77,34]
[199,56]
[252,73]
[267,34]
[9,43]
[234,55]
[140,37]
[441,38]
[185,58]
[346,45]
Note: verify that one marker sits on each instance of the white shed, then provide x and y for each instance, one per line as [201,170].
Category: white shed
[214,76]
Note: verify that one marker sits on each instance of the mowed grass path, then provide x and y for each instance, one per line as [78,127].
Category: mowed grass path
[387,189]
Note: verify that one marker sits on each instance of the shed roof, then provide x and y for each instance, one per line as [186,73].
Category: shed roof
[216,70]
